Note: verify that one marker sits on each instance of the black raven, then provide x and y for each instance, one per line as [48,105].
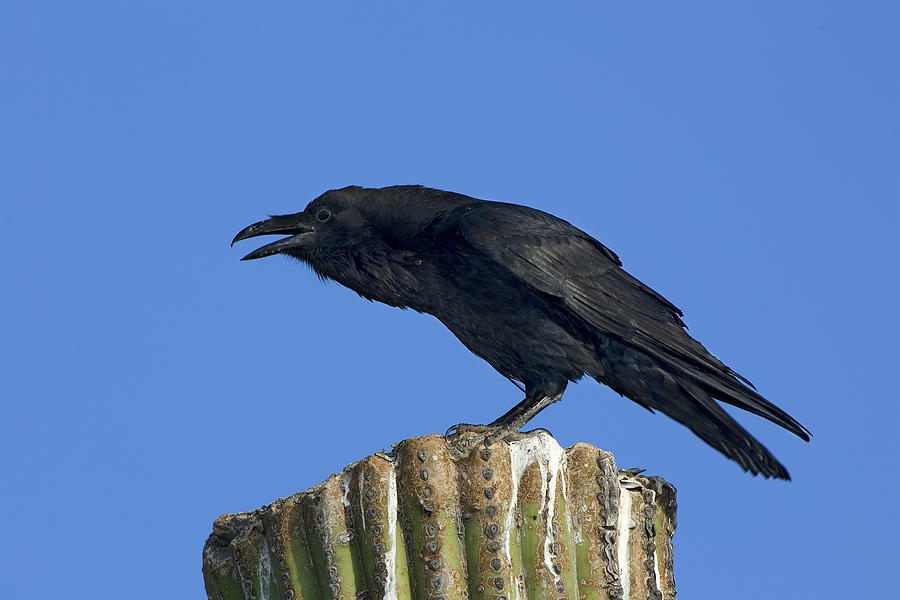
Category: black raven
[541,301]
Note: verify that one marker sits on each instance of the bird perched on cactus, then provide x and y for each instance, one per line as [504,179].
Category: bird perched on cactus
[541,301]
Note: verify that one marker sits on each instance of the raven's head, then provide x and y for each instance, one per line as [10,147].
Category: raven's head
[353,217]
[333,221]
[368,239]
[351,235]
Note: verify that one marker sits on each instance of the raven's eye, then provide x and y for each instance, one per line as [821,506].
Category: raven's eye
[323,215]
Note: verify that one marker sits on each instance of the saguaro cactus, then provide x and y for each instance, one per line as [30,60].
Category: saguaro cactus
[509,521]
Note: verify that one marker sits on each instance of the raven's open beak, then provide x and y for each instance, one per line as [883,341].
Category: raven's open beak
[291,225]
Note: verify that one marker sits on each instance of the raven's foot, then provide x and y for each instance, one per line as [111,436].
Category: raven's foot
[521,435]
[464,436]
[464,428]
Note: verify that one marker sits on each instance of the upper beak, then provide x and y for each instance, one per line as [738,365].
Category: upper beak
[291,225]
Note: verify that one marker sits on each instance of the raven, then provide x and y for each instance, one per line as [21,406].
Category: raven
[541,301]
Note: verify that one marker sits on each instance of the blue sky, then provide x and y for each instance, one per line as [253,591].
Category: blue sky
[743,158]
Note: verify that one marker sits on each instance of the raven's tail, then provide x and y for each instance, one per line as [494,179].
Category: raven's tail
[686,393]
[729,387]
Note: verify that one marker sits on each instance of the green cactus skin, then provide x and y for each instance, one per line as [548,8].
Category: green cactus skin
[524,520]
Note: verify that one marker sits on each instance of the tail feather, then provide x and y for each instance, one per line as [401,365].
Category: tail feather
[727,388]
[688,395]
[722,432]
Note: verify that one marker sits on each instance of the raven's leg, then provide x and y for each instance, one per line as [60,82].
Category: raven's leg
[537,398]
[521,413]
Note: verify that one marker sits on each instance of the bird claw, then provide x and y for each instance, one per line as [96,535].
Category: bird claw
[465,435]
[463,428]
[518,435]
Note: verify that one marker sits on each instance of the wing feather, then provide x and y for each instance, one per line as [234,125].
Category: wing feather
[556,258]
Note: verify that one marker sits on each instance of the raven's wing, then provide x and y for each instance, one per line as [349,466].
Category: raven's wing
[558,259]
